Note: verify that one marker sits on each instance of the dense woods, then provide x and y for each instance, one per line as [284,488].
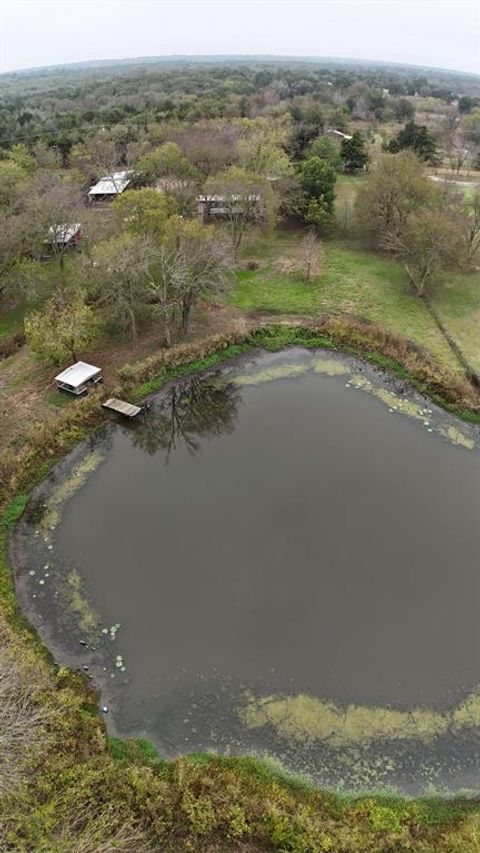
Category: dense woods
[245,146]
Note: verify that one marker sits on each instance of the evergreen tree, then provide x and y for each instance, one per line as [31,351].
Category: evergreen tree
[327,150]
[418,138]
[354,153]
[318,181]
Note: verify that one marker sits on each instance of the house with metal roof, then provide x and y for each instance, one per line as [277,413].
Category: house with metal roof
[64,234]
[110,186]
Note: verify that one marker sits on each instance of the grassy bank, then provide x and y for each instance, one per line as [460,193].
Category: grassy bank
[352,281]
[69,789]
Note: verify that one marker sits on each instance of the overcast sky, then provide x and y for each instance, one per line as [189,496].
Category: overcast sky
[442,33]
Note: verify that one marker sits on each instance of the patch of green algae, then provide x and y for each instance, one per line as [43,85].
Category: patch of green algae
[65,489]
[279,371]
[412,410]
[330,367]
[467,714]
[455,436]
[388,398]
[76,603]
[305,718]
[334,367]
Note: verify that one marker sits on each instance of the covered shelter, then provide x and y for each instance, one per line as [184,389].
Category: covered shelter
[110,186]
[219,206]
[65,234]
[78,378]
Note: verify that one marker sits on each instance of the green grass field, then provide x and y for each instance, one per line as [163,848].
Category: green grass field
[457,300]
[47,274]
[350,280]
[12,321]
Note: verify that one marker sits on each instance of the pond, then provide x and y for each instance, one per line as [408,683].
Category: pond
[281,558]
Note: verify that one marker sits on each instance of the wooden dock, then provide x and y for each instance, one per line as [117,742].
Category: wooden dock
[127,409]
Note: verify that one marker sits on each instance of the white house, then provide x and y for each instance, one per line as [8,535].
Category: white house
[78,378]
[110,186]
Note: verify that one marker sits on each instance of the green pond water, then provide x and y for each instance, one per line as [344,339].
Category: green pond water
[281,557]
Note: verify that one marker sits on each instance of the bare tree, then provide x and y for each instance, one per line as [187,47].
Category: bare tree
[99,155]
[425,245]
[310,246]
[210,146]
[204,267]
[164,287]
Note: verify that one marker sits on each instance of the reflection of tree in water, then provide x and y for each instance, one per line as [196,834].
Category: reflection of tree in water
[195,409]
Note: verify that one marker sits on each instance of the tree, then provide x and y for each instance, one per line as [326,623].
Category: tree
[318,214]
[318,181]
[166,286]
[410,217]
[246,199]
[59,331]
[47,157]
[99,155]
[144,211]
[53,205]
[260,155]
[169,164]
[425,245]
[471,125]
[201,264]
[326,150]
[354,153]
[20,155]
[470,228]
[310,247]
[395,189]
[466,103]
[403,109]
[209,147]
[13,182]
[13,246]
[118,274]
[419,139]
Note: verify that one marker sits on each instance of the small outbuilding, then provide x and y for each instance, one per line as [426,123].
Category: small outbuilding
[110,186]
[225,207]
[78,378]
[65,234]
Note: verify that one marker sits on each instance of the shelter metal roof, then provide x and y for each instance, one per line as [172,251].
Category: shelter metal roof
[77,374]
[111,184]
[63,232]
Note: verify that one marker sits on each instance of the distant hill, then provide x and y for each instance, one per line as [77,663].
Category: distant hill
[229,59]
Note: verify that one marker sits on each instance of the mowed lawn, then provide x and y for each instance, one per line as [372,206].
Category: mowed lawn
[350,280]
